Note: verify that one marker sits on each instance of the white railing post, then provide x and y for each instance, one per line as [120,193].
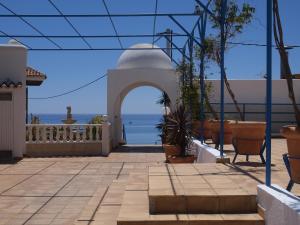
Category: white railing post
[64,133]
[44,134]
[30,137]
[106,139]
[37,134]
[51,134]
[77,128]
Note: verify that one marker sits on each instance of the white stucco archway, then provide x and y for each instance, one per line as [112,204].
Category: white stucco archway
[145,67]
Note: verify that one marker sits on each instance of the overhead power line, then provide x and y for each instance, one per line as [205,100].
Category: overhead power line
[93,36]
[112,23]
[14,38]
[69,22]
[69,92]
[99,15]
[29,24]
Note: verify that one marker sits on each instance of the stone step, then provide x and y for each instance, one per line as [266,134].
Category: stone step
[199,189]
[135,211]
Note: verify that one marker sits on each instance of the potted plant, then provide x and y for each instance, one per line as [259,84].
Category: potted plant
[290,132]
[169,149]
[190,97]
[178,127]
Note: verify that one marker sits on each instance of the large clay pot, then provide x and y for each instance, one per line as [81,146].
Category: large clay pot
[292,135]
[248,136]
[182,159]
[215,132]
[171,150]
[196,129]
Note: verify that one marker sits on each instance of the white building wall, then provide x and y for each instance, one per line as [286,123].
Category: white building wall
[253,93]
[13,59]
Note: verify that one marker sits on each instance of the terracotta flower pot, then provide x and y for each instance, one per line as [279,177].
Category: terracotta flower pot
[182,159]
[215,131]
[196,129]
[171,150]
[292,135]
[248,136]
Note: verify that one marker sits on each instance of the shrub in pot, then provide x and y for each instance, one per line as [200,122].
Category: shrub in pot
[178,128]
[170,149]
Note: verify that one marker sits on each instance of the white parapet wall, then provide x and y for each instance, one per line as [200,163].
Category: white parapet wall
[281,207]
[43,140]
[206,154]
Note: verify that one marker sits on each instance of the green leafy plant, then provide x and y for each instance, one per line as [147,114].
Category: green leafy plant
[236,18]
[178,126]
[165,101]
[190,92]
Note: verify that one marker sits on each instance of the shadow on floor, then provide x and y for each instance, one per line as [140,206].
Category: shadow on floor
[251,164]
[140,148]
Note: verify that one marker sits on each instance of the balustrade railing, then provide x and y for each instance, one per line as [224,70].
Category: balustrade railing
[63,133]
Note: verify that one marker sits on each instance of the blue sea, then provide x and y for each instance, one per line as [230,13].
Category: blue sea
[140,128]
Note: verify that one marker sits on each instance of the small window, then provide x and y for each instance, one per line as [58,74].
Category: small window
[5,96]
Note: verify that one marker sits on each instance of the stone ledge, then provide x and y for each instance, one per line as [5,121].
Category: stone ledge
[281,207]
[207,154]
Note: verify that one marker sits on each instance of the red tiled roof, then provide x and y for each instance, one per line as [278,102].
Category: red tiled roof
[30,73]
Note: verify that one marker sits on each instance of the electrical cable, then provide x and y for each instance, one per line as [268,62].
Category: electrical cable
[69,92]
[29,24]
[69,22]
[112,23]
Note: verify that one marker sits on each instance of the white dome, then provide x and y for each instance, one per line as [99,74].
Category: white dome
[144,58]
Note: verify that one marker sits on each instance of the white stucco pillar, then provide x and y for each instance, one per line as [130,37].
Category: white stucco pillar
[13,60]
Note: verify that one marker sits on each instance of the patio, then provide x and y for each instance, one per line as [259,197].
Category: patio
[89,190]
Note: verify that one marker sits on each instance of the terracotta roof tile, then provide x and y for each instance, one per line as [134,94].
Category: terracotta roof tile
[30,72]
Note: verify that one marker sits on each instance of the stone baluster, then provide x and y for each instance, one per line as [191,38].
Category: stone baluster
[37,133]
[51,134]
[30,137]
[64,133]
[98,136]
[84,134]
[88,134]
[44,134]
[77,133]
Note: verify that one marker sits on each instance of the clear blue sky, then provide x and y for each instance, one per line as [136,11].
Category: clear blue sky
[68,70]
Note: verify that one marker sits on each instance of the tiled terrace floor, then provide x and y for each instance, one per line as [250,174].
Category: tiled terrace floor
[89,190]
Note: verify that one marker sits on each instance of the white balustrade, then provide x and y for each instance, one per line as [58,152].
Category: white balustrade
[63,133]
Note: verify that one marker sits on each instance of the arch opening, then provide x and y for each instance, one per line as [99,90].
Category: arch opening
[140,113]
